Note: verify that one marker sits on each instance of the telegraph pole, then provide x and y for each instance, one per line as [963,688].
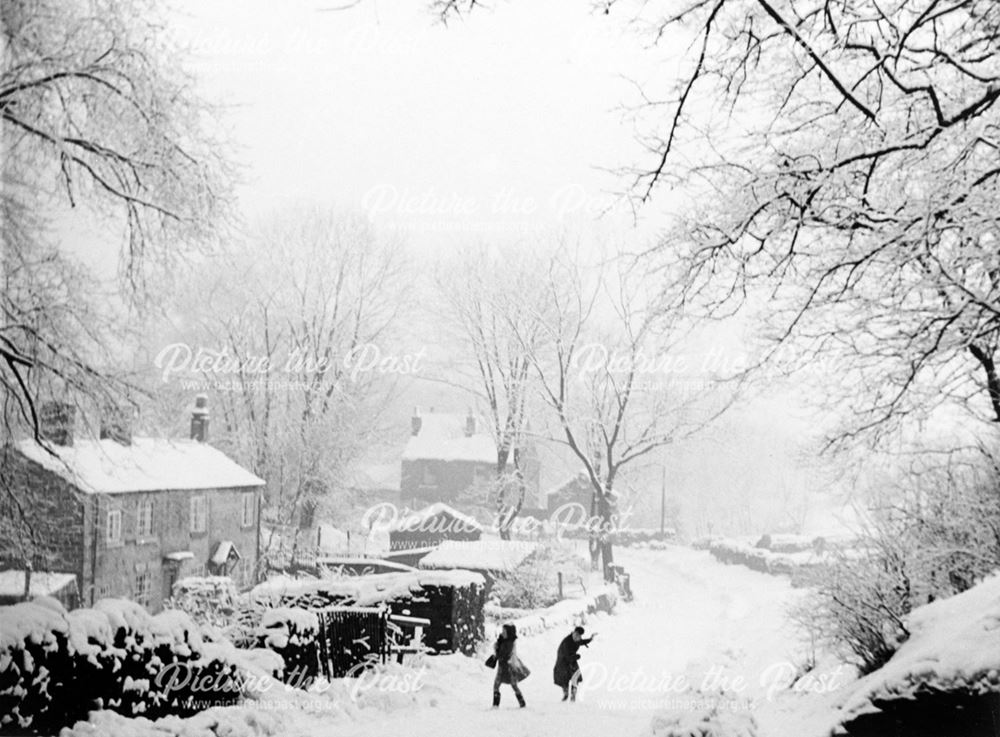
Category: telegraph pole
[663,501]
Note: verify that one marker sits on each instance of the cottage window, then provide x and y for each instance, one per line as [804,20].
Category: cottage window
[113,529]
[429,477]
[249,503]
[143,588]
[144,519]
[199,509]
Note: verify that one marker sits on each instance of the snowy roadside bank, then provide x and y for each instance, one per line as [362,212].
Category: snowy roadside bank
[566,613]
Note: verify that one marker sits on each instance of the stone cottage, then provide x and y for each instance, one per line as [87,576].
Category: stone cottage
[129,516]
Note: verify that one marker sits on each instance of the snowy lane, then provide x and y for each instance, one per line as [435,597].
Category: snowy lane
[693,619]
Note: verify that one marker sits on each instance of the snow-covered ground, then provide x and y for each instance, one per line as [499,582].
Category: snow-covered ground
[697,627]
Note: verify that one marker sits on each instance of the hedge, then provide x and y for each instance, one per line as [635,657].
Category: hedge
[56,666]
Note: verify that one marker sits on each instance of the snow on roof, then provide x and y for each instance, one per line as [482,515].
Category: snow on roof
[421,520]
[223,550]
[179,555]
[479,555]
[376,476]
[364,590]
[341,561]
[148,464]
[42,584]
[953,644]
[568,483]
[442,437]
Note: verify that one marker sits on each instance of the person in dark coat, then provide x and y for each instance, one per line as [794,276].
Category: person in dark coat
[566,673]
[509,667]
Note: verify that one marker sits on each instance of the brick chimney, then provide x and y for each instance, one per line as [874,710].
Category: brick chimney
[117,424]
[56,422]
[470,424]
[415,422]
[199,419]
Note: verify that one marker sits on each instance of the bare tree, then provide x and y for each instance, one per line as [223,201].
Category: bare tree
[835,160]
[296,317]
[489,298]
[601,370]
[858,197]
[96,113]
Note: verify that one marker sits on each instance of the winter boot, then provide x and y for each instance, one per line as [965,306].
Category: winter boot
[496,699]
[520,700]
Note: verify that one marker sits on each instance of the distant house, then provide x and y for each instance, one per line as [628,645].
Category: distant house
[429,527]
[576,489]
[448,454]
[130,516]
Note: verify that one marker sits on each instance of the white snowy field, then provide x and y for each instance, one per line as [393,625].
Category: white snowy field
[696,627]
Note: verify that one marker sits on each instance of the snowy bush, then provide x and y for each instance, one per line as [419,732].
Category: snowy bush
[55,666]
[535,583]
[857,609]
[714,722]
[932,535]
[293,634]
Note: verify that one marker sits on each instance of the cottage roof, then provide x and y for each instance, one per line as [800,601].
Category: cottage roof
[479,555]
[423,520]
[148,464]
[376,477]
[442,437]
[570,484]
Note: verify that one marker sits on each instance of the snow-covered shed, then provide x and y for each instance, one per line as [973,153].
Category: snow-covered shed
[490,558]
[60,586]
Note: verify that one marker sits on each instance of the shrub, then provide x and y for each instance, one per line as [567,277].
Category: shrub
[535,583]
[56,666]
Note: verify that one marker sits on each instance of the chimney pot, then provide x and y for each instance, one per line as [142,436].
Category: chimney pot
[57,421]
[199,419]
[415,422]
[117,424]
[470,424]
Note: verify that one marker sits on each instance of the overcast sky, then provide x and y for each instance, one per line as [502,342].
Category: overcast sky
[496,126]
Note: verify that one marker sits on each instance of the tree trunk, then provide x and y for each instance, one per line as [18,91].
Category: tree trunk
[605,512]
[992,381]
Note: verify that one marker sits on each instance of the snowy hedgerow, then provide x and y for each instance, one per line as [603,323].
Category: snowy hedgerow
[56,666]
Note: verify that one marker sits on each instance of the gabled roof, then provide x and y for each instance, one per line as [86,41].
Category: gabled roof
[376,477]
[442,437]
[148,464]
[421,520]
[481,555]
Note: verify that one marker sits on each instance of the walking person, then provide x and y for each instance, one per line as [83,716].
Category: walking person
[566,673]
[510,668]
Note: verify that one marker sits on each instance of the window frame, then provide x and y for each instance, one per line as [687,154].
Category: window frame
[248,509]
[198,501]
[140,532]
[143,593]
[109,539]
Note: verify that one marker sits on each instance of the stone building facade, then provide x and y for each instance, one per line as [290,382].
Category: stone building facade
[130,516]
